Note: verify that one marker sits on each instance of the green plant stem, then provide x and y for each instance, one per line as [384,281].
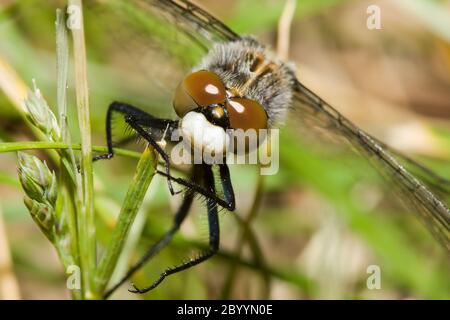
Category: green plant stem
[67,178]
[86,218]
[62,67]
[129,248]
[37,145]
[144,173]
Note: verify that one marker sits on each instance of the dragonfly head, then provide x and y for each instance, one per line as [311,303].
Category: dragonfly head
[210,114]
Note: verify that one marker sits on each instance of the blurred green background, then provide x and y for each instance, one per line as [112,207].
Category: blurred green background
[309,232]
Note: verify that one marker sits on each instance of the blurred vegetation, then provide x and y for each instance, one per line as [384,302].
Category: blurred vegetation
[308,232]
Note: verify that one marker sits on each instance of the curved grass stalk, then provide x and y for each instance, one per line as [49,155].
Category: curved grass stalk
[145,171]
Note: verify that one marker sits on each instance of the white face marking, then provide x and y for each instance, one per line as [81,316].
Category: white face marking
[198,132]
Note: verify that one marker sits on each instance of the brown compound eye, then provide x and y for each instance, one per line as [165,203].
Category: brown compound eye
[246,114]
[201,88]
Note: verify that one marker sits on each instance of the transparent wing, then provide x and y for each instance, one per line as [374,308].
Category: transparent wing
[437,183]
[313,111]
[194,21]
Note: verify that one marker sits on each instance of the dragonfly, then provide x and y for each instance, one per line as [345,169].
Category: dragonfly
[240,84]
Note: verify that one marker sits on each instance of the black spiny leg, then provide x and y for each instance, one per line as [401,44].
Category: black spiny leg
[228,202]
[214,235]
[139,120]
[227,187]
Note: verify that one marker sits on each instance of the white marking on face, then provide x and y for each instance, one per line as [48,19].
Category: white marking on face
[198,132]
